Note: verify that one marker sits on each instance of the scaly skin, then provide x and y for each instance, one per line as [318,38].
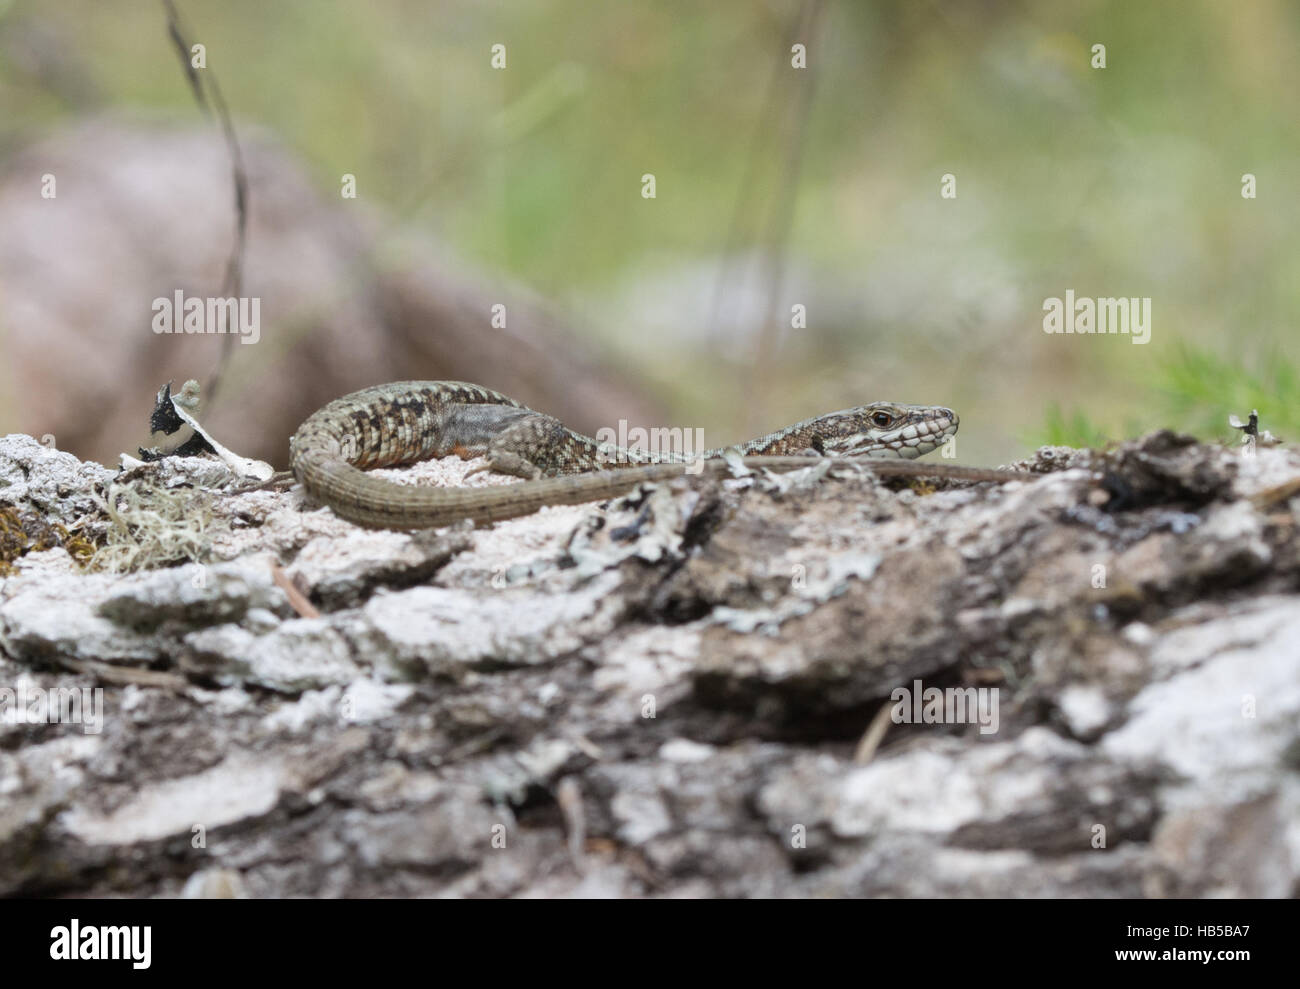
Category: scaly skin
[408,421]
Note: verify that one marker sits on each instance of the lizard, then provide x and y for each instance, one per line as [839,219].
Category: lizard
[408,421]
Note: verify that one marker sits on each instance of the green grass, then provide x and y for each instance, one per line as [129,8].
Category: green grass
[1199,390]
[1074,429]
[1193,392]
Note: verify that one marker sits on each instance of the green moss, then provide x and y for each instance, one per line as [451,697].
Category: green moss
[23,531]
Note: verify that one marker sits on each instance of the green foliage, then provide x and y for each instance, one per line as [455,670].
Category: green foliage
[1194,392]
[1198,390]
[1077,429]
[1068,176]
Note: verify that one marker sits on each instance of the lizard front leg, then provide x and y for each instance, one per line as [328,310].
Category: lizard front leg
[519,442]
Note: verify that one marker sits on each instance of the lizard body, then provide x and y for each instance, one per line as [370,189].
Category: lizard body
[408,421]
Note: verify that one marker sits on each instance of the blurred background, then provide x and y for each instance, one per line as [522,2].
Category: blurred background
[774,187]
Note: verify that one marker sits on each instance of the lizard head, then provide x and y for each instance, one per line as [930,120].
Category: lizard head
[886,429]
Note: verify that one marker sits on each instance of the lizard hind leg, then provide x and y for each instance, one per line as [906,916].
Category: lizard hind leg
[536,445]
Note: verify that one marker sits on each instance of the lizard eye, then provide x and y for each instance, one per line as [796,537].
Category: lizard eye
[882,419]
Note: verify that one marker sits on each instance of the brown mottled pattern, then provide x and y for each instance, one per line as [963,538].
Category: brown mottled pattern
[408,421]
